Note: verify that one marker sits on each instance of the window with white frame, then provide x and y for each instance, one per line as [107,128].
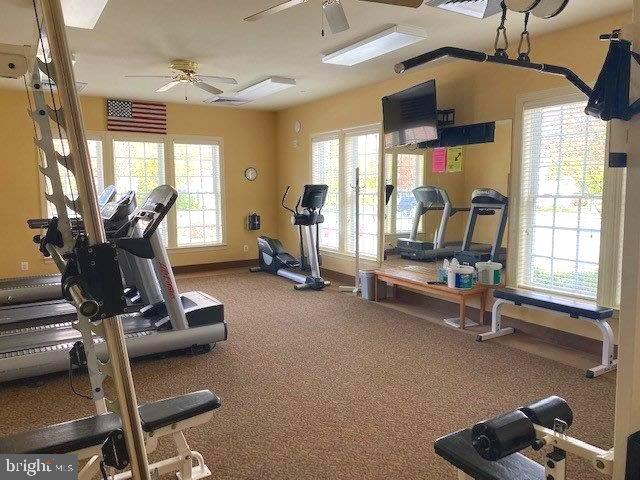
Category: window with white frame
[139,166]
[193,165]
[362,149]
[334,158]
[68,180]
[562,175]
[198,176]
[408,175]
[325,161]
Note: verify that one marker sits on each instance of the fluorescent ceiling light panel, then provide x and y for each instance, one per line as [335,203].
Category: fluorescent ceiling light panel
[221,100]
[265,88]
[387,41]
[471,8]
[82,13]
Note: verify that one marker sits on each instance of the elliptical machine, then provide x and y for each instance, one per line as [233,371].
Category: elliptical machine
[272,256]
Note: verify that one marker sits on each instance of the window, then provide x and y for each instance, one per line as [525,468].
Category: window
[199,183]
[325,160]
[406,172]
[334,158]
[68,181]
[561,199]
[363,150]
[139,166]
[141,162]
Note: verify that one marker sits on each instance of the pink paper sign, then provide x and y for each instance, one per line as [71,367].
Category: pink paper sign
[439,160]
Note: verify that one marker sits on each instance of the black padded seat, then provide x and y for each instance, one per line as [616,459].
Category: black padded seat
[91,431]
[573,308]
[62,437]
[457,449]
[171,410]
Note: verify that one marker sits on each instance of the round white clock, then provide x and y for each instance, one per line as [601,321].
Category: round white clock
[251,174]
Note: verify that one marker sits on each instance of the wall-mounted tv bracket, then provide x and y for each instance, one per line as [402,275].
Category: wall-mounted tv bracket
[446,117]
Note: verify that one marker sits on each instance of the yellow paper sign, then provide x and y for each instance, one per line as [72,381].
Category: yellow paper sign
[454,159]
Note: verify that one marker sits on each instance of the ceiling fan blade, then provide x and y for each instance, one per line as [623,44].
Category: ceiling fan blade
[213,78]
[400,3]
[168,86]
[148,76]
[336,18]
[208,88]
[274,9]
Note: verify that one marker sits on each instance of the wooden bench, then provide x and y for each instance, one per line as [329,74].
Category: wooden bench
[399,277]
[579,310]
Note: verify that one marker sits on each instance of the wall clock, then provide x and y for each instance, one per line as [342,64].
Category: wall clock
[251,174]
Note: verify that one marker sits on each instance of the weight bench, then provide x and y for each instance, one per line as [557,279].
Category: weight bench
[587,312]
[84,437]
[457,449]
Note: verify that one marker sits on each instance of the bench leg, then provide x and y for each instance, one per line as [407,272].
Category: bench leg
[607,360]
[555,467]
[496,323]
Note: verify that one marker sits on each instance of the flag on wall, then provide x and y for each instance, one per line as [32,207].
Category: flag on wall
[134,116]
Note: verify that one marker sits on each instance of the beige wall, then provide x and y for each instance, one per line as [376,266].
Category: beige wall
[478,93]
[248,139]
[268,141]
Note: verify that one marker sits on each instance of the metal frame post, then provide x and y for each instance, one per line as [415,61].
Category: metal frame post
[113,332]
[627,420]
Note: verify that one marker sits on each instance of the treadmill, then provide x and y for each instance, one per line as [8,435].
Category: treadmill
[189,321]
[115,215]
[430,198]
[42,287]
[485,201]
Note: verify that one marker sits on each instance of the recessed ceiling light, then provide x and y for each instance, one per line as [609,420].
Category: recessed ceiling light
[377,45]
[82,13]
[265,88]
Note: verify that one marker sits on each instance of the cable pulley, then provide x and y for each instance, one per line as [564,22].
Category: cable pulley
[502,32]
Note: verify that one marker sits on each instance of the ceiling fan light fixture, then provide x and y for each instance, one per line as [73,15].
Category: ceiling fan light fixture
[265,88]
[387,41]
[471,8]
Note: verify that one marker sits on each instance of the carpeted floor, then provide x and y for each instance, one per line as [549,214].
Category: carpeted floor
[323,385]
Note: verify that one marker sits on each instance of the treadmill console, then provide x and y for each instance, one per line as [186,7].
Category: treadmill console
[118,210]
[107,195]
[488,196]
[314,196]
[149,216]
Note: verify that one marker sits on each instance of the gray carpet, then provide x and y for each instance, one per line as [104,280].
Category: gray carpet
[324,385]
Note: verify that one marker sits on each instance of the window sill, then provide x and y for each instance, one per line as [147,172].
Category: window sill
[565,295]
[197,248]
[346,256]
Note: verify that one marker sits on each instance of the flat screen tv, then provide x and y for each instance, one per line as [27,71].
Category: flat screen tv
[411,116]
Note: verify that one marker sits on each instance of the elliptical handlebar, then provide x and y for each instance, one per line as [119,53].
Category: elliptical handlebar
[284,198]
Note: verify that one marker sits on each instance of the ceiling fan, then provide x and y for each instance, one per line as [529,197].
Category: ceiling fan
[185,73]
[332,9]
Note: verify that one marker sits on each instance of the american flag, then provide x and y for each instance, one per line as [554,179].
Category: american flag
[133,116]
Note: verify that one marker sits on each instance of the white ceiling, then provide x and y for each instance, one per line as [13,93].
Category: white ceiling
[141,36]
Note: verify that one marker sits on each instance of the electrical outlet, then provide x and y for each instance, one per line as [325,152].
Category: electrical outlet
[246,248]
[24,266]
